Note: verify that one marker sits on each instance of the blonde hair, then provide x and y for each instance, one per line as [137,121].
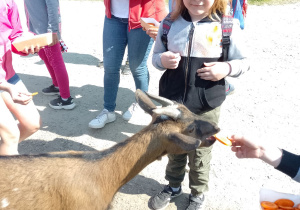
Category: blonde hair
[218,6]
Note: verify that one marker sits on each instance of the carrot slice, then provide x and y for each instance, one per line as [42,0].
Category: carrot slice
[286,207]
[224,140]
[269,205]
[284,203]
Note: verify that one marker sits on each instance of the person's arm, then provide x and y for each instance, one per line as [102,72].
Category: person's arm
[53,20]
[281,160]
[238,52]
[290,165]
[18,97]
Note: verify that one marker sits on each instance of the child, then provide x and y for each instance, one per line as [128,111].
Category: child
[195,77]
[44,16]
[14,97]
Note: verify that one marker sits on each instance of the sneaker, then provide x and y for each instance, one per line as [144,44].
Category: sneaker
[125,70]
[133,108]
[104,117]
[58,103]
[229,88]
[51,90]
[196,202]
[162,199]
[100,63]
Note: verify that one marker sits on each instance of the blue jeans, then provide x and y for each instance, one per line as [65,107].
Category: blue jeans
[115,39]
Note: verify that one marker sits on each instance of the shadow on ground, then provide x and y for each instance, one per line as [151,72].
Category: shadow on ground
[89,100]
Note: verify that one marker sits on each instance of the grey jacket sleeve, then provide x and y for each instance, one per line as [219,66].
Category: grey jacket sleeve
[53,16]
[237,55]
[159,48]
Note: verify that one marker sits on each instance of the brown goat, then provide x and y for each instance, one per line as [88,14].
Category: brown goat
[89,180]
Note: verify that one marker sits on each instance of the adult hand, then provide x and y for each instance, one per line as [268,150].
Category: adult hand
[32,49]
[246,148]
[152,32]
[214,71]
[170,60]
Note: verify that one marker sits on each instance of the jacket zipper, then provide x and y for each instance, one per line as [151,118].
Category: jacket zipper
[191,33]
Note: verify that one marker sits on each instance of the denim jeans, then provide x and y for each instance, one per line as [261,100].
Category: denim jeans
[115,39]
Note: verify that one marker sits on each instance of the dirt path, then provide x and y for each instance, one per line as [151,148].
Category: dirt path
[266,104]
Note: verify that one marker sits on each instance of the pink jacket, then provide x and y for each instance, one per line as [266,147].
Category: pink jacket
[10,29]
[141,8]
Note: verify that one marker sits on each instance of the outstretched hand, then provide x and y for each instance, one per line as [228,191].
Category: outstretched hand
[244,148]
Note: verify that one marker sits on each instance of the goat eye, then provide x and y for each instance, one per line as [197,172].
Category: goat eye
[191,130]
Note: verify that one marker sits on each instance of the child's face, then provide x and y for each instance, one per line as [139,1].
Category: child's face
[198,9]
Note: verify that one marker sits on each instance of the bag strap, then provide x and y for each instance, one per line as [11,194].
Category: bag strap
[227,23]
[167,22]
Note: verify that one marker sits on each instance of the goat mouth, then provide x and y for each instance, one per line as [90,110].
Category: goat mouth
[211,138]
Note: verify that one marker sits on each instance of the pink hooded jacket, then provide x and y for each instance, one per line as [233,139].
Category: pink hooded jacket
[141,8]
[10,29]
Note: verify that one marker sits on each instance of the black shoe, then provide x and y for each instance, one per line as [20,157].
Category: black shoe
[162,199]
[229,88]
[51,90]
[196,203]
[61,104]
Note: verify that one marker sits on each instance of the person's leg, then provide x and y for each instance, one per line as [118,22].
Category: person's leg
[57,65]
[174,174]
[139,47]
[27,115]
[43,56]
[175,170]
[199,163]
[9,131]
[114,44]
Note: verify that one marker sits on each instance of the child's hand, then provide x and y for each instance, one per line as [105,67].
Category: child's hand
[214,71]
[170,60]
[55,39]
[31,50]
[152,32]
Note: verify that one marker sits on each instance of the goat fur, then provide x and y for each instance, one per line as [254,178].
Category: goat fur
[89,180]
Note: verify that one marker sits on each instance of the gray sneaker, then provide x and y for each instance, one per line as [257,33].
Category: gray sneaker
[196,202]
[161,200]
[125,70]
[103,118]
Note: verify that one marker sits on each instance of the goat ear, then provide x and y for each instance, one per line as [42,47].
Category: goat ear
[187,143]
[144,101]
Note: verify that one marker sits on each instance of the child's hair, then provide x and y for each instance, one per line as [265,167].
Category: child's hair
[218,6]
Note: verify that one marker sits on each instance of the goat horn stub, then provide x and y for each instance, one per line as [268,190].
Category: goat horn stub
[144,101]
[170,111]
[163,101]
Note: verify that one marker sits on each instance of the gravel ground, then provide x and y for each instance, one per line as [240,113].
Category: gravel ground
[265,104]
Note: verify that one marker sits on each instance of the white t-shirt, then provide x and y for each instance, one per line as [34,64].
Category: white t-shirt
[120,8]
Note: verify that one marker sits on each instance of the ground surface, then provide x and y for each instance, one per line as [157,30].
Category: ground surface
[266,104]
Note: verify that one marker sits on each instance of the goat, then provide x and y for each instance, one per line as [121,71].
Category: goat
[89,180]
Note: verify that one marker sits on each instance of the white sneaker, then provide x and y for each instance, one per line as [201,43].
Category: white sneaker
[104,117]
[135,107]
